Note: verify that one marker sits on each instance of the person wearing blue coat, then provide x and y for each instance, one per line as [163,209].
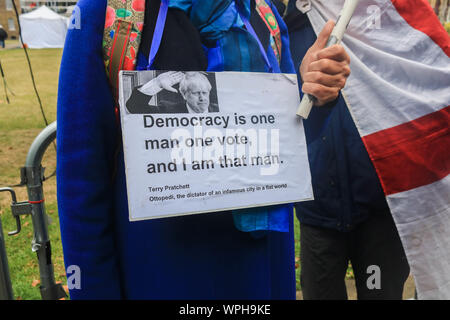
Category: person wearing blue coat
[244,254]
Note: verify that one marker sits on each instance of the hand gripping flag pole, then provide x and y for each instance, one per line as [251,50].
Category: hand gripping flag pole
[335,38]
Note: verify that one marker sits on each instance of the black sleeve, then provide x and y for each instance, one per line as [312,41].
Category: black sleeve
[138,103]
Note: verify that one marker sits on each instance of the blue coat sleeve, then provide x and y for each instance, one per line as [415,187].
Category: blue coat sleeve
[86,137]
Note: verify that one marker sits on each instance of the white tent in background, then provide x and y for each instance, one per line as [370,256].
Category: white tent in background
[43,28]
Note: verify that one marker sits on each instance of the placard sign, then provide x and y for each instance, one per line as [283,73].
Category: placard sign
[198,142]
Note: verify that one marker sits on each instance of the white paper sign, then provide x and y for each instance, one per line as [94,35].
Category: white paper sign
[197,142]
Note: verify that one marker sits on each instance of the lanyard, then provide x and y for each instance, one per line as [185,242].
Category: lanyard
[250,29]
[159,29]
[157,34]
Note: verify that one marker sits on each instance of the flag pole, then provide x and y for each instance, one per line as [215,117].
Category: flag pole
[335,38]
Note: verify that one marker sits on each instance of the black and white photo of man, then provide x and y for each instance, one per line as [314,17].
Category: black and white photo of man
[175,92]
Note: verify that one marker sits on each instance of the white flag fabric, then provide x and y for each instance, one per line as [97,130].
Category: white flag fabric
[399,97]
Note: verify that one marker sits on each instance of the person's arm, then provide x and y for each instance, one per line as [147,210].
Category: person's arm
[141,97]
[164,81]
[86,138]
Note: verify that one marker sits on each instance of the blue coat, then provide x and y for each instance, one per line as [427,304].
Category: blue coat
[191,257]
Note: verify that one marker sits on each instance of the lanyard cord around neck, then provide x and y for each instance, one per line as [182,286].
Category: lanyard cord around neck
[157,34]
[250,29]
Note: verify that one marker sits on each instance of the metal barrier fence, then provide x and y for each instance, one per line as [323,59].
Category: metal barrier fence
[32,176]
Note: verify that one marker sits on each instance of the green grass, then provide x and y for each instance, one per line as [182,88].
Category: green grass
[24,112]
[20,122]
[23,262]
